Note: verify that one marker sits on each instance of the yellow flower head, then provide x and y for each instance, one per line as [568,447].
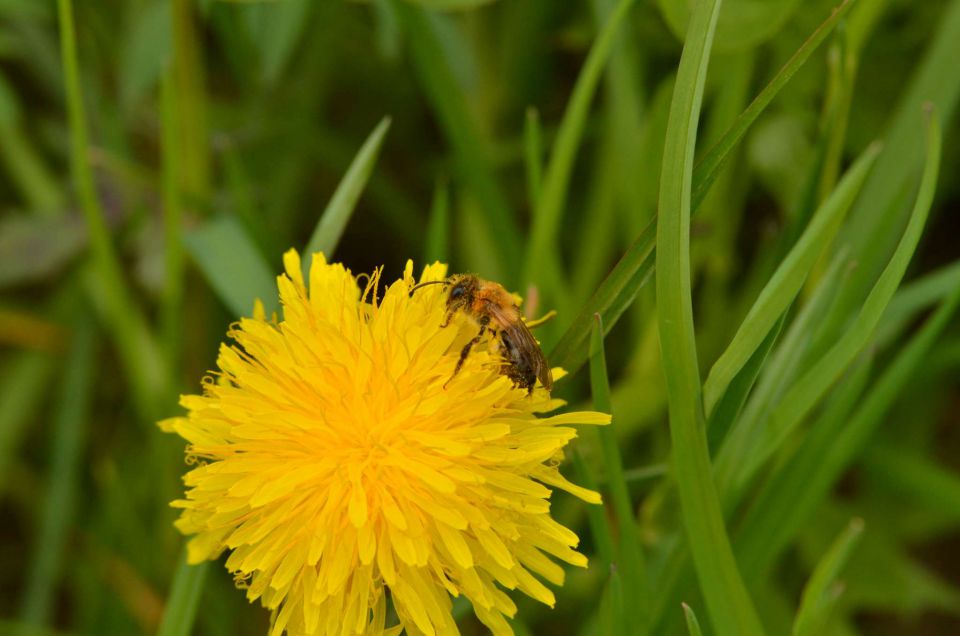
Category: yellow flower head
[339,470]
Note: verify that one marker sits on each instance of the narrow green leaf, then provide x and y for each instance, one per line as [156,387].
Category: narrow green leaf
[138,350]
[693,625]
[462,132]
[800,487]
[916,296]
[184,598]
[631,272]
[787,280]
[815,382]
[631,554]
[67,444]
[532,152]
[820,593]
[731,609]
[438,227]
[546,221]
[923,481]
[22,391]
[326,235]
[596,517]
[716,158]
[231,263]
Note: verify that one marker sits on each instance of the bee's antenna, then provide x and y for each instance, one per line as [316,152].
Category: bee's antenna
[429,282]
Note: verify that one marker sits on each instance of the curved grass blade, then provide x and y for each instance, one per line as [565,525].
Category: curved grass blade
[816,381]
[621,286]
[693,625]
[800,487]
[67,442]
[184,598]
[822,590]
[730,607]
[631,554]
[326,235]
[546,221]
[232,264]
[716,158]
[786,281]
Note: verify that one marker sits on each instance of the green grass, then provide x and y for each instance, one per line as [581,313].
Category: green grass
[741,214]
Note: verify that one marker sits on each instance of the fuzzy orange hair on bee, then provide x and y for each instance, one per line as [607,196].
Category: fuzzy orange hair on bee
[492,307]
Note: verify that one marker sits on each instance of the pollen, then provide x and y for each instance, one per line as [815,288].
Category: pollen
[355,489]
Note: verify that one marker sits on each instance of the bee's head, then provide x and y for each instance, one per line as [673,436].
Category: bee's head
[462,288]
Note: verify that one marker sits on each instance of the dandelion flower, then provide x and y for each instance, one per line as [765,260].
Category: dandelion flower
[343,476]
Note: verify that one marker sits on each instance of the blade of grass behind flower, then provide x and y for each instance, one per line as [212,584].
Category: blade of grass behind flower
[138,349]
[621,286]
[67,442]
[184,598]
[232,264]
[553,193]
[786,281]
[532,153]
[729,604]
[815,382]
[821,591]
[438,227]
[631,553]
[326,235]
[450,106]
[795,492]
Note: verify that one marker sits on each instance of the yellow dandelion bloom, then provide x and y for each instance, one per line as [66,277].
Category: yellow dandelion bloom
[339,472]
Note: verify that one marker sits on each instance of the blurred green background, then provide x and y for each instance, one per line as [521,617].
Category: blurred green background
[220,130]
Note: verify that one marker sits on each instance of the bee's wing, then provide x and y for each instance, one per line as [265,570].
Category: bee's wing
[523,339]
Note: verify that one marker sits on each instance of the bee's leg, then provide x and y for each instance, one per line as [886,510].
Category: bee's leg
[448,318]
[466,349]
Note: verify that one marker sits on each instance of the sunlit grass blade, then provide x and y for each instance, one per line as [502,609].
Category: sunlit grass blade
[437,246]
[326,235]
[716,158]
[67,438]
[631,553]
[693,625]
[821,592]
[556,179]
[450,106]
[232,264]
[786,282]
[137,347]
[793,495]
[729,604]
[816,381]
[184,598]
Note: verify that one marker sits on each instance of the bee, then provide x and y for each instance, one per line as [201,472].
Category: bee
[494,311]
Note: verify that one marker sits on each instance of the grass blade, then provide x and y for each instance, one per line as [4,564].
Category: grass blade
[326,235]
[731,609]
[67,442]
[21,394]
[621,286]
[546,221]
[139,352]
[693,625]
[438,227]
[532,152]
[716,158]
[786,282]
[184,598]
[816,381]
[172,230]
[797,490]
[631,553]
[232,264]
[821,591]
[463,135]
